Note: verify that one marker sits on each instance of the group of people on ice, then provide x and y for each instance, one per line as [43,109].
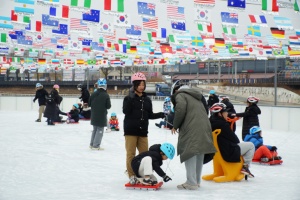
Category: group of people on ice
[185,113]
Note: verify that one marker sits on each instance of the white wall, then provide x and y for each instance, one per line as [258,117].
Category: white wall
[278,118]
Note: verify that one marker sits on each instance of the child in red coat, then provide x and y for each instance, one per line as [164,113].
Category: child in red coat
[114,122]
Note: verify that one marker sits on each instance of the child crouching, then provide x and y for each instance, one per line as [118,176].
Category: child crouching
[73,115]
[144,163]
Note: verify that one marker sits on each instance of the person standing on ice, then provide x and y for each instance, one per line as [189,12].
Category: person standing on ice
[41,95]
[53,100]
[194,133]
[137,107]
[99,103]
[250,116]
[145,163]
[229,144]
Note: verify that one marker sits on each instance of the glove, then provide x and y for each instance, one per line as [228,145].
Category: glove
[167,178]
[162,115]
[33,101]
[273,148]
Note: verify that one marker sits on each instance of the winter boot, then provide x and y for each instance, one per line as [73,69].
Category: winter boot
[132,180]
[264,160]
[158,125]
[245,170]
[38,120]
[149,182]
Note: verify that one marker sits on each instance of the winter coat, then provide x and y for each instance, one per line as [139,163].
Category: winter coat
[212,99]
[229,107]
[86,113]
[250,118]
[154,153]
[227,139]
[41,95]
[74,114]
[50,111]
[138,111]
[195,135]
[256,139]
[99,103]
[85,95]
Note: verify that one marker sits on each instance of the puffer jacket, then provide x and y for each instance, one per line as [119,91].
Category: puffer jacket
[138,110]
[227,139]
[195,134]
[41,95]
[154,153]
[256,139]
[250,118]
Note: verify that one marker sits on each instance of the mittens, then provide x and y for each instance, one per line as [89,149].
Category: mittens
[167,178]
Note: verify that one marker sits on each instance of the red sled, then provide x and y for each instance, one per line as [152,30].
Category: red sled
[144,187]
[272,162]
[85,119]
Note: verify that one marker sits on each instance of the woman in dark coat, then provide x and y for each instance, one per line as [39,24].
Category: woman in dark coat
[52,102]
[137,107]
[250,115]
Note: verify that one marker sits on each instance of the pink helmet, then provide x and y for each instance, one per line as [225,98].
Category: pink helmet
[252,99]
[138,77]
[56,86]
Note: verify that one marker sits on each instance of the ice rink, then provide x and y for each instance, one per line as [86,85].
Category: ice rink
[43,162]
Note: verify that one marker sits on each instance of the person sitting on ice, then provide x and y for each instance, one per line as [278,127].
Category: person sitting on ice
[263,153]
[168,122]
[229,144]
[85,112]
[114,122]
[144,164]
[73,115]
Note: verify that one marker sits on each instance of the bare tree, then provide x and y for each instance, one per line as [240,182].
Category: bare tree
[121,70]
[106,71]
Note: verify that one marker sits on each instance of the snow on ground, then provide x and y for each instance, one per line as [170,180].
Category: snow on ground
[43,162]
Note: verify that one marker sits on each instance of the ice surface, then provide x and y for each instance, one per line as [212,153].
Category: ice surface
[40,162]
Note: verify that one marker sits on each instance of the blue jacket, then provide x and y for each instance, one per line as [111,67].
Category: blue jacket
[256,139]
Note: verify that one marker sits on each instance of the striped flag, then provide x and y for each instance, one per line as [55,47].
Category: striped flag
[277,33]
[229,30]
[3,38]
[150,23]
[62,13]
[79,5]
[258,20]
[205,28]
[175,12]
[78,24]
[25,20]
[5,22]
[269,5]
[294,41]
[114,5]
[26,9]
[49,43]
[283,22]
[205,2]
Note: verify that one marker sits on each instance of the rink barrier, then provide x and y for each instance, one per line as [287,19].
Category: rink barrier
[282,118]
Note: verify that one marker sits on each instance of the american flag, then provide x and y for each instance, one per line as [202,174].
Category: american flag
[204,1]
[233,15]
[63,41]
[151,6]
[175,12]
[49,43]
[78,24]
[110,37]
[150,23]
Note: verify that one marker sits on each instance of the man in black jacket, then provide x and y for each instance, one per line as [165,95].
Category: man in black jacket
[41,95]
[85,95]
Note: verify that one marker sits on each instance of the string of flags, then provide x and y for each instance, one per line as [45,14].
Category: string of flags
[59,36]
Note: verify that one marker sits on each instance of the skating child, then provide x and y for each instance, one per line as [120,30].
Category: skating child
[168,122]
[167,105]
[85,112]
[114,122]
[229,144]
[73,115]
[263,153]
[144,164]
